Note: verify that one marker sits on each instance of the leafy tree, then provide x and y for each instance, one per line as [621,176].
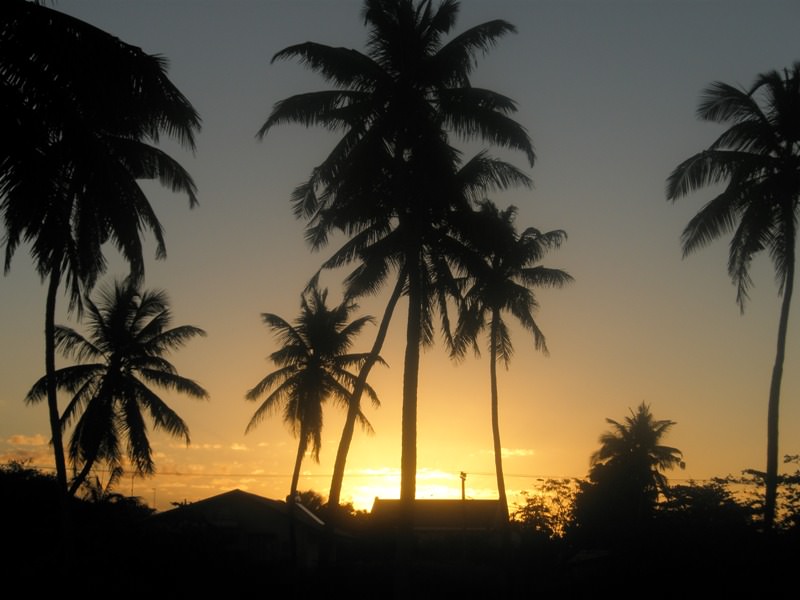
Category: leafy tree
[390,184]
[79,115]
[549,509]
[709,509]
[500,280]
[756,159]
[312,366]
[787,505]
[129,333]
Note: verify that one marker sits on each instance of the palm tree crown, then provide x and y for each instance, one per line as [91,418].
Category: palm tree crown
[502,271]
[312,366]
[87,107]
[758,159]
[129,332]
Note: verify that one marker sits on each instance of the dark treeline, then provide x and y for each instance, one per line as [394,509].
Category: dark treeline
[698,538]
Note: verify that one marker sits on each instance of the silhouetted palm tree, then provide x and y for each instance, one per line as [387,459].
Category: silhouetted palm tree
[312,366]
[501,278]
[633,448]
[129,334]
[390,183]
[757,157]
[79,114]
[616,504]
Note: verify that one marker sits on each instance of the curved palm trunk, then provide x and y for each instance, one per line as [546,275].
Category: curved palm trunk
[498,449]
[354,407]
[50,370]
[81,477]
[301,452]
[773,409]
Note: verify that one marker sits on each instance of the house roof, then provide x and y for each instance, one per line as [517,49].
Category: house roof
[440,514]
[240,510]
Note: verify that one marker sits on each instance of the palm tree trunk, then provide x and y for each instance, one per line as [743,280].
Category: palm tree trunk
[408,458]
[498,450]
[290,501]
[301,452]
[81,477]
[354,407]
[773,410]
[50,370]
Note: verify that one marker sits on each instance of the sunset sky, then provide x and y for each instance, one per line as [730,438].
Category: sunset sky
[608,92]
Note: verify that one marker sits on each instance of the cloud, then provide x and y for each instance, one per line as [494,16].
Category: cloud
[508,452]
[512,452]
[196,446]
[236,446]
[27,440]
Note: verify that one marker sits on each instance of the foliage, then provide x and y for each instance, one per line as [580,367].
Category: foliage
[548,510]
[711,506]
[625,479]
[756,159]
[787,513]
[392,184]
[313,366]
[81,117]
[501,271]
[129,333]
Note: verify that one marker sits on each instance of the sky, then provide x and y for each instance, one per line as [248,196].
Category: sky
[607,90]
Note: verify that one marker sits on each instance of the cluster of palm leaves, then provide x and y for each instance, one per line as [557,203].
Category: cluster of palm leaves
[81,112]
[400,191]
[402,194]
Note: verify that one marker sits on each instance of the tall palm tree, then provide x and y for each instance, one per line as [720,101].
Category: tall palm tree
[129,334]
[390,183]
[312,366]
[500,280]
[757,158]
[82,113]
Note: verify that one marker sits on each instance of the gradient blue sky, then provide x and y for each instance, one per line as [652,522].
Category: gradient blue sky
[608,91]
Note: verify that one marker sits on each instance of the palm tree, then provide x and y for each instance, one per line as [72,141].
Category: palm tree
[312,366]
[757,157]
[81,113]
[633,447]
[129,334]
[391,183]
[500,280]
[616,503]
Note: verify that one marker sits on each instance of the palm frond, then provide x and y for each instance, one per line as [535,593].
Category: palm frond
[173,382]
[163,416]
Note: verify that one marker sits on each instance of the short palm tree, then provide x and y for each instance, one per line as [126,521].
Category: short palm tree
[617,502]
[313,365]
[633,449]
[129,334]
[758,159]
[390,182]
[502,273]
[79,115]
